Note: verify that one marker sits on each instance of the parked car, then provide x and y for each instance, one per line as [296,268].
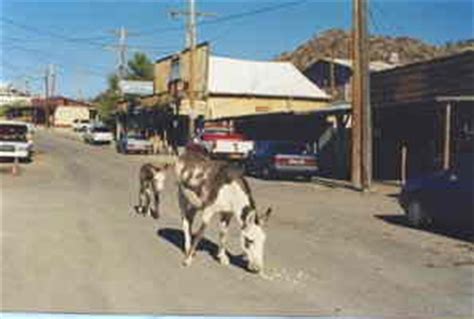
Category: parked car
[445,198]
[134,143]
[79,125]
[222,143]
[271,159]
[98,135]
[15,141]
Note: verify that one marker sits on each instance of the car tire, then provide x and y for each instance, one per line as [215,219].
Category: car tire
[247,170]
[415,214]
[266,173]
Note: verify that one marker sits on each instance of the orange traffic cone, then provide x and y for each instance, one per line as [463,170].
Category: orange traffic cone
[15,167]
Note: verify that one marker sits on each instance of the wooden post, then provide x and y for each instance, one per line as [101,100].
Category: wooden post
[332,76]
[361,110]
[403,164]
[447,137]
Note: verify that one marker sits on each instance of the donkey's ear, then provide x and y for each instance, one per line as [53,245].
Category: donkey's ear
[263,219]
[251,218]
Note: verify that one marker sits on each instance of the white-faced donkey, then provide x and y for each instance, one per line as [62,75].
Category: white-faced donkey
[207,188]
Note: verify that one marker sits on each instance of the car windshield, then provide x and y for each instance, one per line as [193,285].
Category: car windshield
[135,136]
[289,147]
[216,131]
[13,133]
[100,130]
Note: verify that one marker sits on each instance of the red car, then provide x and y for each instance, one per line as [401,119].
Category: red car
[222,143]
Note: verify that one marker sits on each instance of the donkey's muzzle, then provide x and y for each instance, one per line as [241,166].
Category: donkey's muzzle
[254,268]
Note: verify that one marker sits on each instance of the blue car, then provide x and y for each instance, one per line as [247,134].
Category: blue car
[273,159]
[444,199]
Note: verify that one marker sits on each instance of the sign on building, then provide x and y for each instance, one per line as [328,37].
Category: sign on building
[142,88]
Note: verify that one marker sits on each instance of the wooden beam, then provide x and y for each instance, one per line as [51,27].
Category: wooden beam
[356,134]
[447,136]
[403,164]
[465,98]
[362,124]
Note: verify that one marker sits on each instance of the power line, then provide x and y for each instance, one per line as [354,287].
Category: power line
[46,56]
[255,12]
[230,17]
[52,34]
[87,41]
[394,27]
[372,19]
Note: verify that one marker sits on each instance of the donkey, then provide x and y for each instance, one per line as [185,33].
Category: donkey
[207,188]
[151,183]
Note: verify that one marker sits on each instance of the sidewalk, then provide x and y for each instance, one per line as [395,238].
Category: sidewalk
[380,187]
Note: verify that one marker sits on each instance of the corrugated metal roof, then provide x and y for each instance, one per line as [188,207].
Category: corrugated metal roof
[258,78]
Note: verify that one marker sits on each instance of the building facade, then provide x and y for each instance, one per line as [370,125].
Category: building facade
[334,75]
[425,109]
[228,89]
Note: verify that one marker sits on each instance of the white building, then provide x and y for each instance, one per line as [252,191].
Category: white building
[11,96]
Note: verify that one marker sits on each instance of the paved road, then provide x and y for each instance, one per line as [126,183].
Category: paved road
[69,244]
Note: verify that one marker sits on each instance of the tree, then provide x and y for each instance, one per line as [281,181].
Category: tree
[113,82]
[140,68]
[107,101]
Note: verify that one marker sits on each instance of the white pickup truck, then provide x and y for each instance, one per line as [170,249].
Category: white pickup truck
[16,140]
[222,143]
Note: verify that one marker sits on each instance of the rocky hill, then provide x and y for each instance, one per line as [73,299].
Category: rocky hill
[337,42]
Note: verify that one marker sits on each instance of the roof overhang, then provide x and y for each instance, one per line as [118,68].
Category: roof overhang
[269,96]
[339,109]
[460,98]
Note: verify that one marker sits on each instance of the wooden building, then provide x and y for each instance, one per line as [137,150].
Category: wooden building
[425,109]
[229,89]
[62,110]
[334,75]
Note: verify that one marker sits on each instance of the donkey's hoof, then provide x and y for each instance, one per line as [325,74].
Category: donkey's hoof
[187,262]
[138,210]
[223,259]
[154,214]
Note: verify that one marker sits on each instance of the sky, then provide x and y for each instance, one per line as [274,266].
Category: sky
[77,36]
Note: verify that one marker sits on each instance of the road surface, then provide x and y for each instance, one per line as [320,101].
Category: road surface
[69,244]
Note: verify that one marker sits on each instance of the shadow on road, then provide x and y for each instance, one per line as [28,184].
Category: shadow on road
[175,237]
[333,183]
[400,220]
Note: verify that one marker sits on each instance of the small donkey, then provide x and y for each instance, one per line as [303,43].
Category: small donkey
[151,183]
[207,188]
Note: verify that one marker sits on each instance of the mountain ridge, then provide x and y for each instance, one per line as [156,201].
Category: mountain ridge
[336,43]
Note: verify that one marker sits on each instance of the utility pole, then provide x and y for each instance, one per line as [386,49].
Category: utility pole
[52,73]
[361,172]
[192,52]
[53,80]
[191,40]
[26,85]
[121,50]
[332,74]
[46,96]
